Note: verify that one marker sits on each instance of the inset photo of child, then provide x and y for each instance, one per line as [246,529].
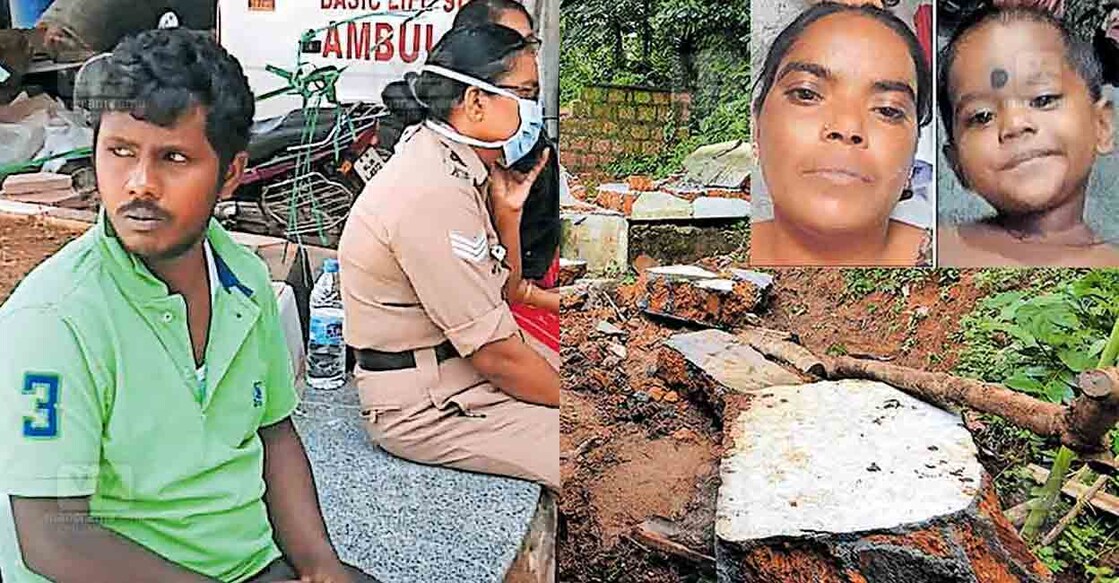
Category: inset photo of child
[1027,174]
[843,103]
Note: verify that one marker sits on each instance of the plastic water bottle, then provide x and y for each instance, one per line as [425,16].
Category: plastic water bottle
[326,352]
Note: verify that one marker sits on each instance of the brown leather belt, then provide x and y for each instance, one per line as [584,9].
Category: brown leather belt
[377,361]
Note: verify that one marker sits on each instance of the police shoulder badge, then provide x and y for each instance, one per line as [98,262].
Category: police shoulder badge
[472,249]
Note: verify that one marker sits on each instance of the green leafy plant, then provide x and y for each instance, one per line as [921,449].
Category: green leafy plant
[1035,336]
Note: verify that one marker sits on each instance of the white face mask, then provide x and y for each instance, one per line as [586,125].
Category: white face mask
[516,146]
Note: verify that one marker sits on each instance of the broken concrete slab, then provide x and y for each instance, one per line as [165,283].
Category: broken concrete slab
[685,191]
[711,364]
[600,238]
[724,165]
[764,281]
[696,295]
[660,206]
[682,272]
[855,480]
[570,271]
[609,329]
[706,207]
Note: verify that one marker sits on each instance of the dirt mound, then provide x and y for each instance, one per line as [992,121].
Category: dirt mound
[24,243]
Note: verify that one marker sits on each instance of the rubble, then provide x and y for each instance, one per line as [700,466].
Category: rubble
[609,329]
[696,295]
[36,182]
[571,270]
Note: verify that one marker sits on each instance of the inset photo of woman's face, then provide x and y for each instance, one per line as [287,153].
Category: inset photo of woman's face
[838,128]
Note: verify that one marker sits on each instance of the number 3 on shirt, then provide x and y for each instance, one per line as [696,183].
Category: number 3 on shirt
[44,423]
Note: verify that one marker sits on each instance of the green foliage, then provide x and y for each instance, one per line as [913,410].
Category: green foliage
[668,162]
[698,46]
[1035,333]
[1033,279]
[1038,343]
[859,283]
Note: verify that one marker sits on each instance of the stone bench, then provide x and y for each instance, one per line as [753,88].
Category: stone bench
[406,522]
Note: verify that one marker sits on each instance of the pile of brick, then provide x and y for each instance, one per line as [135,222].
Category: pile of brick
[43,188]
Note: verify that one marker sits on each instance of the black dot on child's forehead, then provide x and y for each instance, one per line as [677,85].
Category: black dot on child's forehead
[999,77]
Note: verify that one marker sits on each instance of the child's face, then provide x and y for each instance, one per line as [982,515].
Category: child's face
[1026,130]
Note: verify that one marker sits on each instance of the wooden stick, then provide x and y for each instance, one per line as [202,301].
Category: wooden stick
[655,533]
[944,390]
[1101,501]
[1067,519]
[1017,514]
[779,345]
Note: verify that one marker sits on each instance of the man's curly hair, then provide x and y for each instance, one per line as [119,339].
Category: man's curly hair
[158,76]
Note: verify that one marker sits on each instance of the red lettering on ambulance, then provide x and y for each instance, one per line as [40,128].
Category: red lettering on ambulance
[384,41]
[357,46]
[410,56]
[333,43]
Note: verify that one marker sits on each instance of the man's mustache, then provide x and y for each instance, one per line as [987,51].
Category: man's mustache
[143,208]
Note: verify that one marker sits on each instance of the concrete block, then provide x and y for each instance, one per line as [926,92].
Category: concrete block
[599,238]
[401,521]
[855,480]
[712,364]
[660,205]
[724,165]
[706,207]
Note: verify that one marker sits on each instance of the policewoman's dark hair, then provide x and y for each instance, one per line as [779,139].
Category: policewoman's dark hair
[1079,54]
[788,37]
[483,52]
[479,12]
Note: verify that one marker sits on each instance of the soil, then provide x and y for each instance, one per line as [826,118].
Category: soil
[632,449]
[24,243]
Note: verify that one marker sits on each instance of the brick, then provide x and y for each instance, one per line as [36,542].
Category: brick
[642,97]
[650,148]
[647,114]
[601,146]
[661,98]
[609,129]
[591,94]
[617,96]
[627,112]
[36,182]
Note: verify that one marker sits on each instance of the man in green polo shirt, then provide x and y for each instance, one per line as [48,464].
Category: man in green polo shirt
[145,385]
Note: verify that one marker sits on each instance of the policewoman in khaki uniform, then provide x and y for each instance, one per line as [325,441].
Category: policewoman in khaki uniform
[444,374]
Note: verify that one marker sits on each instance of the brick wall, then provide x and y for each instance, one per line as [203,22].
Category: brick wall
[609,121]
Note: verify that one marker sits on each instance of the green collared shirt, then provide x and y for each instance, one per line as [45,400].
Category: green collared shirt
[99,398]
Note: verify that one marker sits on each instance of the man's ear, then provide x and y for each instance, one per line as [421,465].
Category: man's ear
[1105,125]
[952,156]
[233,175]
